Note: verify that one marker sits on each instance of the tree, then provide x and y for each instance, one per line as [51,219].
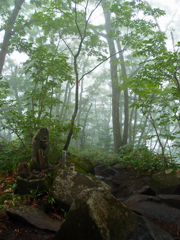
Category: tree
[157,87]
[139,32]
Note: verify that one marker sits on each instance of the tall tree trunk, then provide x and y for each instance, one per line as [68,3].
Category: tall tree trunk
[82,36]
[115,87]
[126,97]
[8,32]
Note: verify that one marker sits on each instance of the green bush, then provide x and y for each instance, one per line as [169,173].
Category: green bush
[144,160]
[12,155]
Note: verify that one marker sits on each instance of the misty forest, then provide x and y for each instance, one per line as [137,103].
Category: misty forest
[98,74]
[89,119]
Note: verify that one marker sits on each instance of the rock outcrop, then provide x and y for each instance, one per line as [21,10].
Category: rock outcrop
[96,215]
[68,184]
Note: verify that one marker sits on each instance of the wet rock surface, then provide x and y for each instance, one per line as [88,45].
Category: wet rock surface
[34,216]
[153,207]
[96,214]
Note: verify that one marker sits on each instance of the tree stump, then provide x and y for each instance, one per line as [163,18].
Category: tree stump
[40,148]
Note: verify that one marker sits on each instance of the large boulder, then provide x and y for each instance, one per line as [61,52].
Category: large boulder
[68,184]
[96,215]
[167,182]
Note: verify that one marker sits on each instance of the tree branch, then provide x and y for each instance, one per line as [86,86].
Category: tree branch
[102,63]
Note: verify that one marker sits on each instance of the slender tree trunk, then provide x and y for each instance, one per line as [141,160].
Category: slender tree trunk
[96,116]
[68,101]
[65,101]
[76,103]
[79,112]
[83,131]
[8,32]
[132,114]
[135,125]
[58,96]
[142,131]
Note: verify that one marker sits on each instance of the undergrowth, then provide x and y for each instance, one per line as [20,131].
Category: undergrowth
[140,158]
[143,160]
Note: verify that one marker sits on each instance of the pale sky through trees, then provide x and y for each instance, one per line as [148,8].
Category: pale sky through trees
[171,21]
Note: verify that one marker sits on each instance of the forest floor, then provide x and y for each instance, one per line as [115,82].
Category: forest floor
[16,230]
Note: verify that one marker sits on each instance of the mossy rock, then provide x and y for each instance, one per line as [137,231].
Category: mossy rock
[82,165]
[165,182]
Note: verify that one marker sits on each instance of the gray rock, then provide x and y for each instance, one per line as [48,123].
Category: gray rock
[119,167]
[68,184]
[121,192]
[171,200]
[109,171]
[146,190]
[100,166]
[96,215]
[154,207]
[34,216]
[100,177]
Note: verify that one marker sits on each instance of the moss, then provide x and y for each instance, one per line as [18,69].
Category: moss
[79,169]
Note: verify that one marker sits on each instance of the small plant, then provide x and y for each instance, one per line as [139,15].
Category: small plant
[65,213]
[49,198]
[34,193]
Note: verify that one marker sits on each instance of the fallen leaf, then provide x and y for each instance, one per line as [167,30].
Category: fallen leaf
[8,190]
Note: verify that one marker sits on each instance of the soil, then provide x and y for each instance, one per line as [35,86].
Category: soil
[15,230]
